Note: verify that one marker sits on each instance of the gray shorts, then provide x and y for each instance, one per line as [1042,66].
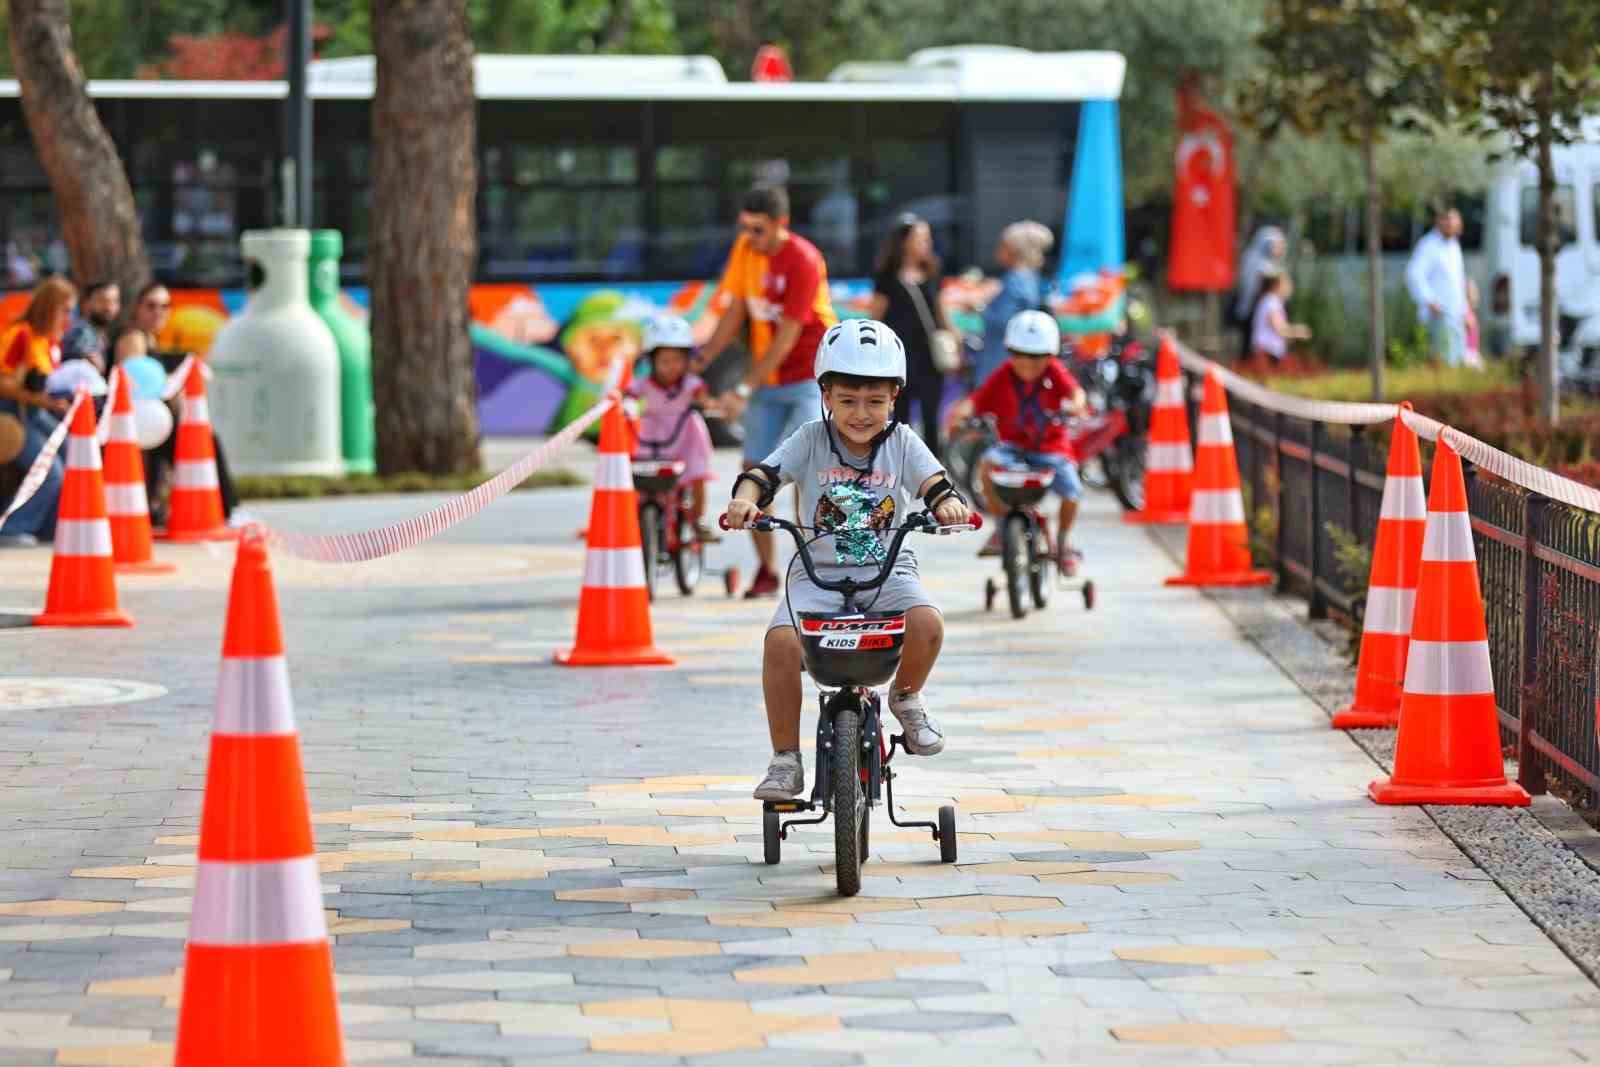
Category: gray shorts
[902,592]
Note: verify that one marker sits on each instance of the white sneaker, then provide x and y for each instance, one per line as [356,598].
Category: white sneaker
[922,733]
[786,778]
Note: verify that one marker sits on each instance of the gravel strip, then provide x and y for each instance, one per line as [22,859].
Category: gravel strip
[1545,858]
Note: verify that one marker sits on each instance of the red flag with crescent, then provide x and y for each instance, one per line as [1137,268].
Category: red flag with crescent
[1202,252]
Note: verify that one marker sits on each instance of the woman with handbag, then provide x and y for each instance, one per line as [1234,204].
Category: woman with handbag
[906,296]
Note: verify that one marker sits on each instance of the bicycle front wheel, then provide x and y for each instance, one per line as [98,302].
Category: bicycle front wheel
[849,803]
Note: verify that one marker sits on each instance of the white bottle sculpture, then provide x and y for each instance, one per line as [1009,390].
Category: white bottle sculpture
[275,388]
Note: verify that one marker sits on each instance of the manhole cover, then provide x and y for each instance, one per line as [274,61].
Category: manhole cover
[22,694]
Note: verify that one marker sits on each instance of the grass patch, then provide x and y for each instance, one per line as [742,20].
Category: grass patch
[1401,383]
[302,486]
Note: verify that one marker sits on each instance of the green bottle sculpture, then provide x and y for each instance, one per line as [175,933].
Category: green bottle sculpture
[356,434]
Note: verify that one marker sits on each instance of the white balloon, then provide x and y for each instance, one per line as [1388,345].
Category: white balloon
[152,422]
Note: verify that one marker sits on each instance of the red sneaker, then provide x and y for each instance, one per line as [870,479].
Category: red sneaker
[764,584]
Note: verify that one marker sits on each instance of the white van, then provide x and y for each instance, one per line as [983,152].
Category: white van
[1511,298]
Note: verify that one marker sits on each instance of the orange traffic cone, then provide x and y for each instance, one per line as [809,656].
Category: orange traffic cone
[1169,464]
[1219,543]
[258,977]
[614,606]
[1391,588]
[1448,750]
[126,503]
[83,590]
[195,511]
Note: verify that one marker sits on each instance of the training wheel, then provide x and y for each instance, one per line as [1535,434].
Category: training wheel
[947,834]
[1088,595]
[730,585]
[990,591]
[771,836]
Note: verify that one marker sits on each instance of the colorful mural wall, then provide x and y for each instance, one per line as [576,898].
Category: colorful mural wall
[541,350]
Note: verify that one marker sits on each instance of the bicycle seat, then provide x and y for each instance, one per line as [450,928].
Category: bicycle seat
[846,650]
[1021,487]
[656,475]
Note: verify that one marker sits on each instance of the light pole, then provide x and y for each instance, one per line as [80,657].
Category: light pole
[297,120]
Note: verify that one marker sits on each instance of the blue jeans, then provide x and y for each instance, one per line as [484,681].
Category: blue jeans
[1066,484]
[775,413]
[37,516]
[1448,338]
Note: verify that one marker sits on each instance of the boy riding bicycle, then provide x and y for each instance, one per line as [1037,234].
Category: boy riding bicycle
[1026,396]
[858,474]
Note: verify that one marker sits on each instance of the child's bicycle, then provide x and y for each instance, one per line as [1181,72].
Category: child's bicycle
[667,532]
[1027,549]
[848,653]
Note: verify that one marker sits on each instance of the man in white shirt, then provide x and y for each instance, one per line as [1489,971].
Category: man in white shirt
[1437,281]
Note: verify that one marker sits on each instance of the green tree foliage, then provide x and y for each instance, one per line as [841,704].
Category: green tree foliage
[1357,69]
[1527,74]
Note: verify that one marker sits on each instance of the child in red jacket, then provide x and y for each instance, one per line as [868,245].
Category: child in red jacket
[1022,395]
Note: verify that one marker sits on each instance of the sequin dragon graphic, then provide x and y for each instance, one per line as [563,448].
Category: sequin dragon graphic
[848,512]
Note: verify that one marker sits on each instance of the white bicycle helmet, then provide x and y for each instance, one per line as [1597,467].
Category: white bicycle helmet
[865,348]
[667,331]
[1033,333]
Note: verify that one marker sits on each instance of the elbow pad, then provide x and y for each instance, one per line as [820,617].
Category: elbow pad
[765,478]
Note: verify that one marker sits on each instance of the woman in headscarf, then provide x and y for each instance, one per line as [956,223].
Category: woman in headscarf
[1020,254]
[1262,256]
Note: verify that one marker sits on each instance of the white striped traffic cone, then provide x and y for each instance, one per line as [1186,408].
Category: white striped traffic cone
[1219,540]
[126,503]
[1169,463]
[83,589]
[614,605]
[258,977]
[195,510]
[1391,588]
[1448,748]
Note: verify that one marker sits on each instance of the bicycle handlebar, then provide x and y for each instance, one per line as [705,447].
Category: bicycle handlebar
[918,521]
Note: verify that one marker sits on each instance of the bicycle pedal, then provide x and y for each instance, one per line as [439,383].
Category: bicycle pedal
[785,806]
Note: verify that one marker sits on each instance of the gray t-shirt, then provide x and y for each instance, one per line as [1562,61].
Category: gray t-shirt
[839,493]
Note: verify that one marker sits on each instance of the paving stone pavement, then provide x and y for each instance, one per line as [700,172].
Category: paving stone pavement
[1166,855]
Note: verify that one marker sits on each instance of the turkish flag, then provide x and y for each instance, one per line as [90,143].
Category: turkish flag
[1202,253]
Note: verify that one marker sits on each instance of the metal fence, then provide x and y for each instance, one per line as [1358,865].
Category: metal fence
[1309,485]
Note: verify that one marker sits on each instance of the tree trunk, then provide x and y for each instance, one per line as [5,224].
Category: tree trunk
[424,236]
[1375,341]
[618,25]
[1549,372]
[94,202]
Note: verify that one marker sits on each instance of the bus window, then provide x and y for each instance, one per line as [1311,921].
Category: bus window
[1566,216]
[554,231]
[822,197]
[911,176]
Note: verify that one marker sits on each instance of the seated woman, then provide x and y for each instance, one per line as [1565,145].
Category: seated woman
[29,351]
[137,342]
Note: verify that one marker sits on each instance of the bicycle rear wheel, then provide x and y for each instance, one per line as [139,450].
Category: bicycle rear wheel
[1041,568]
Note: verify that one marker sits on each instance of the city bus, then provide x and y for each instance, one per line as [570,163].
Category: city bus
[608,188]
[606,168]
